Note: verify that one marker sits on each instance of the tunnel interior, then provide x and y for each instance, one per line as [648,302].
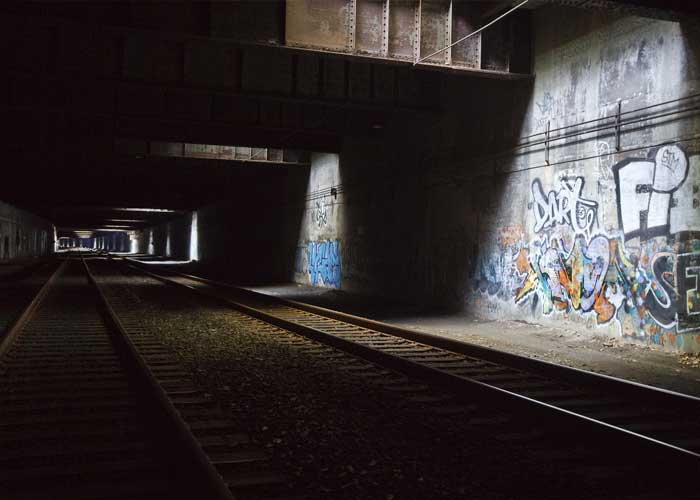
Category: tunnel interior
[545,169]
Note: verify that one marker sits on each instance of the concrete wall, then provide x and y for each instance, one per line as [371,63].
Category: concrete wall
[24,235]
[318,252]
[601,240]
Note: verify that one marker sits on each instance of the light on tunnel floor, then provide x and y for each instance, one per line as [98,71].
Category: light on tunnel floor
[194,238]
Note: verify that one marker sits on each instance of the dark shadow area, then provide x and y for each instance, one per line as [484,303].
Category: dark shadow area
[421,203]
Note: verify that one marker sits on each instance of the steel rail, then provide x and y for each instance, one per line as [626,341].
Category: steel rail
[18,325]
[215,487]
[463,385]
[570,374]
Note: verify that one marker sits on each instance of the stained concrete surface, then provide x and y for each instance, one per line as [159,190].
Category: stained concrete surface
[640,363]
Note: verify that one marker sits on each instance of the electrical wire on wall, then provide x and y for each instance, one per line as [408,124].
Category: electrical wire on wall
[612,126]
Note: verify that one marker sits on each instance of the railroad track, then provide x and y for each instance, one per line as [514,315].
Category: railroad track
[93,408]
[18,287]
[618,414]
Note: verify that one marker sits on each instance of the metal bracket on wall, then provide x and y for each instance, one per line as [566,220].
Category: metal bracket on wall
[351,25]
[416,32]
[385,28]
[546,144]
[618,119]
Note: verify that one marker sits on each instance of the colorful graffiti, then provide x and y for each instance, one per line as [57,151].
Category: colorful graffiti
[676,297]
[599,277]
[655,287]
[589,277]
[323,259]
[645,188]
[565,206]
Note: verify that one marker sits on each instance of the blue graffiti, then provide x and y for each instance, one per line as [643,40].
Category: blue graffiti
[324,263]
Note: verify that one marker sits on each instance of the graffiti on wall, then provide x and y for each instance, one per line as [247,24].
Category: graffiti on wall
[545,109]
[645,188]
[675,297]
[599,277]
[495,274]
[320,214]
[323,259]
[565,206]
[571,266]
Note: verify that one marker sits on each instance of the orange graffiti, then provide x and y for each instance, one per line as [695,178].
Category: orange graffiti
[604,309]
[521,263]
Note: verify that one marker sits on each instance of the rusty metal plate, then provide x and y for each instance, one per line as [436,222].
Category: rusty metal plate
[435,29]
[202,151]
[371,27]
[466,18]
[275,155]
[259,154]
[402,32]
[495,46]
[321,24]
[242,153]
[227,152]
[520,57]
[206,151]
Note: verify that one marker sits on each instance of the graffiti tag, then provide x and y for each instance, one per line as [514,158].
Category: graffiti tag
[565,206]
[324,263]
[645,190]
[320,214]
[674,298]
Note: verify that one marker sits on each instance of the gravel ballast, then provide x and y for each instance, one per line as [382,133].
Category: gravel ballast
[341,433]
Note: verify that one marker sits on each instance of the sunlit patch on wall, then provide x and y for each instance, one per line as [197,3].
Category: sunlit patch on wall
[194,238]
